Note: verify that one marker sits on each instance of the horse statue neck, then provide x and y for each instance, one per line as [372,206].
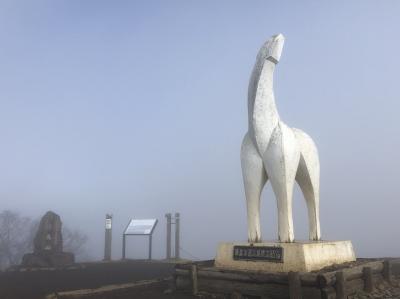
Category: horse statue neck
[263,115]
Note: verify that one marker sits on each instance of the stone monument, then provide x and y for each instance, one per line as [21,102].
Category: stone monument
[273,151]
[48,245]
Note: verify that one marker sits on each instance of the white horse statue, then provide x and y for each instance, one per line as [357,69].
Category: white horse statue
[272,150]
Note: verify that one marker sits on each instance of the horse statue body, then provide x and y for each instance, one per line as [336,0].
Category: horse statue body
[273,151]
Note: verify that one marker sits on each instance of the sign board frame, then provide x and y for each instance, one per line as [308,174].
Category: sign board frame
[149,234]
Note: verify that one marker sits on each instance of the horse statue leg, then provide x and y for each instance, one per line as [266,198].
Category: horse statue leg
[308,179]
[254,178]
[281,160]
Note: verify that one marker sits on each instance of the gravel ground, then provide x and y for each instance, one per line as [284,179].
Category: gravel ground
[383,290]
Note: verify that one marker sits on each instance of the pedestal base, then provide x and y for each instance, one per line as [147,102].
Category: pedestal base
[56,259]
[283,257]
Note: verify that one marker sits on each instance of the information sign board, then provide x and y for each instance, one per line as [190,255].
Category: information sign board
[108,223]
[140,227]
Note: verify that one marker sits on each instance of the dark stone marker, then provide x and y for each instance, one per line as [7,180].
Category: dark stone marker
[258,253]
[48,245]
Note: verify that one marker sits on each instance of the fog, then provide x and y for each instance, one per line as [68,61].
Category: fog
[138,108]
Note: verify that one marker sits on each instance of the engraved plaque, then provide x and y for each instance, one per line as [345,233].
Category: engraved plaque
[258,253]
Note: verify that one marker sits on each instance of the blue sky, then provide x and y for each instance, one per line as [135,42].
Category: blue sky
[138,108]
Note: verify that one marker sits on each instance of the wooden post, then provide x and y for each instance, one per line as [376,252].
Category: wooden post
[107,238]
[173,282]
[168,216]
[177,232]
[328,293]
[368,280]
[340,285]
[294,285]
[387,271]
[194,279]
[236,295]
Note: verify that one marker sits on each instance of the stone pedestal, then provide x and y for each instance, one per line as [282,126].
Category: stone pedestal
[59,259]
[283,257]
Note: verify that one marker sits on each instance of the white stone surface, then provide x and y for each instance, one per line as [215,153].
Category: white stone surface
[299,256]
[273,151]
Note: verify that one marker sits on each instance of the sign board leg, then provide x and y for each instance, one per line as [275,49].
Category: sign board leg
[150,245]
[123,246]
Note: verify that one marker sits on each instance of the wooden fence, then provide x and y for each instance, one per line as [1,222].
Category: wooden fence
[340,283]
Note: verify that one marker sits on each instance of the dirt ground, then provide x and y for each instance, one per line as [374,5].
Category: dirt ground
[36,283]
[383,290]
[59,283]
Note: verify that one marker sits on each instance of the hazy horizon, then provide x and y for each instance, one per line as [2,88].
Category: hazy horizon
[139,108]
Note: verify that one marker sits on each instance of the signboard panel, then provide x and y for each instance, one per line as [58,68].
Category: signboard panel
[108,223]
[140,227]
[258,253]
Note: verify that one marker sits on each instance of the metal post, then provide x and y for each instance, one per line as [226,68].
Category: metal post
[123,246]
[177,246]
[150,245]
[107,238]
[168,216]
